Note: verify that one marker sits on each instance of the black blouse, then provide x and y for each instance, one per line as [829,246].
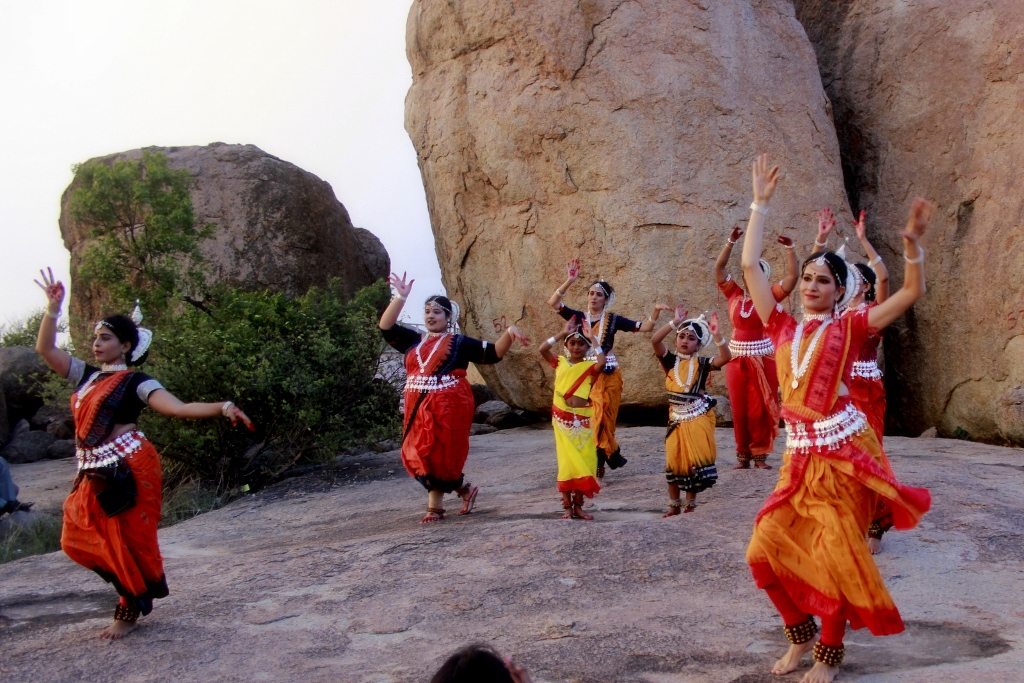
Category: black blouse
[136,395]
[704,368]
[614,323]
[465,350]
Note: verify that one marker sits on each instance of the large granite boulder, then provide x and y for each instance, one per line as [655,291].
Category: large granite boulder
[618,132]
[278,226]
[21,371]
[28,446]
[927,98]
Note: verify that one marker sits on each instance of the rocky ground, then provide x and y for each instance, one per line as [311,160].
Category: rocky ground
[330,577]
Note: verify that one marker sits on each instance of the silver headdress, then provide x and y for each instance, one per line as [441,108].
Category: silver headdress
[700,327]
[767,268]
[145,336]
[853,280]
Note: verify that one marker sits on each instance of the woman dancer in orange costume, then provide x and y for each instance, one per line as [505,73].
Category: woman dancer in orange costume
[753,385]
[112,513]
[606,393]
[438,399]
[807,550]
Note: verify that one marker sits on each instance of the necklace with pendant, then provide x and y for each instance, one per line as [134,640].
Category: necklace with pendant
[745,313]
[689,372]
[799,365]
[419,359]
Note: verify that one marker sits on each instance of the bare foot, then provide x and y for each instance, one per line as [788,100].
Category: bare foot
[874,545]
[820,673]
[689,507]
[578,513]
[762,466]
[742,466]
[791,660]
[118,630]
[432,517]
[469,500]
[672,512]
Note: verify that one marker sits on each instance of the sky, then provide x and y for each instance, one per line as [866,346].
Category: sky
[318,83]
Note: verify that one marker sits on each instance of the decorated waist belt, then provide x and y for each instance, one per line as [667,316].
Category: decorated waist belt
[109,453]
[610,362]
[829,433]
[867,369]
[760,347]
[683,407]
[430,383]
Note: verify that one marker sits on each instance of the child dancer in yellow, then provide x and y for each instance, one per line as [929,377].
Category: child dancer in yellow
[690,442]
[571,414]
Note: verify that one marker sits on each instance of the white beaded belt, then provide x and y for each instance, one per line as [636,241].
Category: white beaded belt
[610,362]
[829,433]
[109,453]
[868,369]
[761,347]
[429,383]
[684,412]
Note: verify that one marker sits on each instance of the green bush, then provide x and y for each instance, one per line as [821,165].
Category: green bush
[304,369]
[39,535]
[23,332]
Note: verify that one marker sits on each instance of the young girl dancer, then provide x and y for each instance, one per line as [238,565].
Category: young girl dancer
[690,441]
[607,391]
[753,384]
[112,513]
[438,399]
[572,413]
[807,550]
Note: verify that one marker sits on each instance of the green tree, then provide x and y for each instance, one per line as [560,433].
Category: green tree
[145,242]
[23,332]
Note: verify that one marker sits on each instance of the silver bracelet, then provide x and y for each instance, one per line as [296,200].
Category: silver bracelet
[674,326]
[721,343]
[55,316]
[759,208]
[552,341]
[399,297]
[914,260]
[820,244]
[875,261]
[559,293]
[789,246]
[732,241]
[224,408]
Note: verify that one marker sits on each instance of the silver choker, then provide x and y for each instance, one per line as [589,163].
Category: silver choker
[820,317]
[113,367]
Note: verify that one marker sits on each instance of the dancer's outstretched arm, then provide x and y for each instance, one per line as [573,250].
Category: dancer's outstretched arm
[792,268]
[874,260]
[59,360]
[550,343]
[721,275]
[166,403]
[649,324]
[913,278]
[573,269]
[658,340]
[764,179]
[390,316]
[510,335]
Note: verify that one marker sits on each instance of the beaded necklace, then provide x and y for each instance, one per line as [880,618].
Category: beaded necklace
[419,359]
[745,313]
[799,365]
[601,326]
[689,372]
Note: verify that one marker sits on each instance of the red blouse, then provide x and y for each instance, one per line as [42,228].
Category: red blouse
[746,324]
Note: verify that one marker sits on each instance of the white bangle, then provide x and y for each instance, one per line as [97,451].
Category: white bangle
[789,246]
[915,260]
[820,244]
[559,293]
[399,297]
[721,343]
[673,325]
[732,241]
[875,261]
[759,208]
[552,341]
[55,316]
[224,408]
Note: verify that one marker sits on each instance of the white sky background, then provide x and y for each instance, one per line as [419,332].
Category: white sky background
[318,83]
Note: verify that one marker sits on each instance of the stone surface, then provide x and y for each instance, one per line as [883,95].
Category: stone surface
[615,131]
[5,425]
[482,394]
[28,446]
[723,411]
[278,226]
[927,96]
[61,449]
[21,369]
[55,418]
[331,578]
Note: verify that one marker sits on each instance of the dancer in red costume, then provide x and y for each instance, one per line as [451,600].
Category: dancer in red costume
[753,385]
[438,399]
[807,550]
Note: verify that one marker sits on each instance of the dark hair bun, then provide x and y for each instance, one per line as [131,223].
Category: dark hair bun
[126,331]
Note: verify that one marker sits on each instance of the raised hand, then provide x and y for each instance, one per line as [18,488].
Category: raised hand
[765,179]
[826,221]
[517,335]
[860,226]
[588,331]
[53,288]
[574,270]
[662,307]
[570,326]
[713,323]
[401,286]
[681,314]
[917,221]
[736,234]
[784,240]
[236,415]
